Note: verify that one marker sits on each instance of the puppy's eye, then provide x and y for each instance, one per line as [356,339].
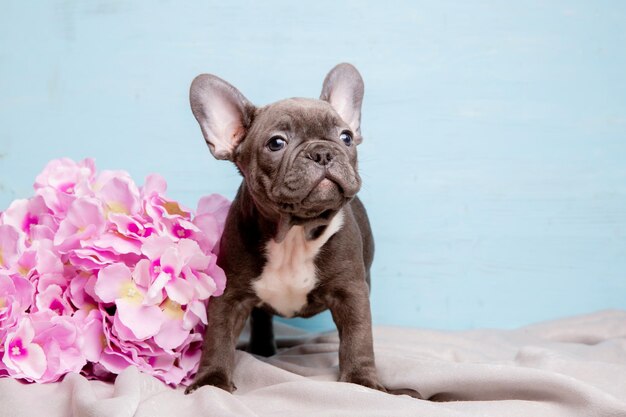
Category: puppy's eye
[346,137]
[276,143]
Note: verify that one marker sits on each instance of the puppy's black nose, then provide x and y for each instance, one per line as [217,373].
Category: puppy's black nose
[321,156]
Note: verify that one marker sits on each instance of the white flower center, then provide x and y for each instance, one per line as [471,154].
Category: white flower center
[16,351]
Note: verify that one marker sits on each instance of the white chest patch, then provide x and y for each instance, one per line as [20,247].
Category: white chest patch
[289,274]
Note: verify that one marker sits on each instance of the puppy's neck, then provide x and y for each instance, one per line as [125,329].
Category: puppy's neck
[276,225]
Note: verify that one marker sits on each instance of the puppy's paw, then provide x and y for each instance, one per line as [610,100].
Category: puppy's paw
[406,391]
[366,379]
[217,379]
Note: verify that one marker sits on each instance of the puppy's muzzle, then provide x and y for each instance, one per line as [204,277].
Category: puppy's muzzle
[320,154]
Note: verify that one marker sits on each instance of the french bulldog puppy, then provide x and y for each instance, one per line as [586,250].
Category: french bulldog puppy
[297,240]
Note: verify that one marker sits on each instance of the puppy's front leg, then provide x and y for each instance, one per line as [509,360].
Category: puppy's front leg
[226,319]
[351,312]
[350,308]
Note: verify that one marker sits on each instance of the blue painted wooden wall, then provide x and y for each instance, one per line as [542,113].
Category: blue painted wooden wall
[494,158]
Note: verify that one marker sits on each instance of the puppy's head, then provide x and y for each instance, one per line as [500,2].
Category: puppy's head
[297,156]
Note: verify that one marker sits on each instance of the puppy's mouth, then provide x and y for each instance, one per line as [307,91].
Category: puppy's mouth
[325,196]
[326,188]
[307,188]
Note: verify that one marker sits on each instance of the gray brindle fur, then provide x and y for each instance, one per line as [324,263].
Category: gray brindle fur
[297,240]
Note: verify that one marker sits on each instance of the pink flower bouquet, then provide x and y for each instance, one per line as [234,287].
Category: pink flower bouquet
[97,275]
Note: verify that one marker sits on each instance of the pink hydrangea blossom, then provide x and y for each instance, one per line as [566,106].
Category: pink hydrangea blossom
[98,274]
[62,181]
[16,297]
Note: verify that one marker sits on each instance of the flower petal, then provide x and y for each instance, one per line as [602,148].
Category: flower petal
[171,335]
[157,286]
[120,194]
[141,273]
[155,245]
[196,311]
[33,364]
[10,246]
[192,255]
[118,244]
[24,358]
[214,204]
[154,184]
[92,334]
[179,290]
[110,282]
[143,321]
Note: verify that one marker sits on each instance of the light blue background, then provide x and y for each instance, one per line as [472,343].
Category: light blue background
[495,132]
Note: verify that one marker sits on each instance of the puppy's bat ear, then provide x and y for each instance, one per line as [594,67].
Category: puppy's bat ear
[343,89]
[223,113]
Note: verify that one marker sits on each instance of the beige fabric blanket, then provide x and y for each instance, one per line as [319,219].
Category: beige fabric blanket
[570,367]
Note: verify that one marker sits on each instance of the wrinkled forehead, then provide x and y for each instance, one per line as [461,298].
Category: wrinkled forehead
[301,116]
